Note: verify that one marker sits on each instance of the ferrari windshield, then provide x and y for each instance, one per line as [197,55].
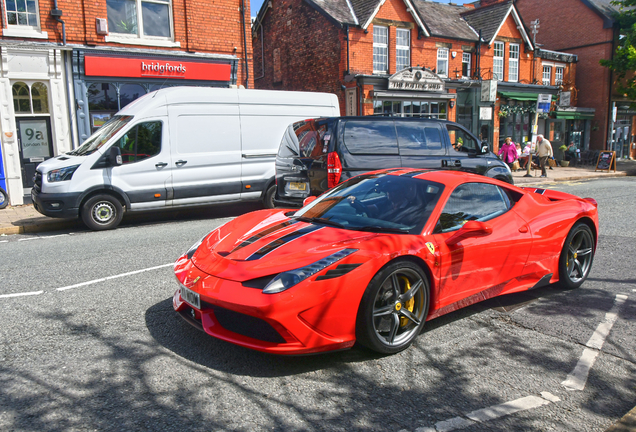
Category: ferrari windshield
[377,203]
[101,136]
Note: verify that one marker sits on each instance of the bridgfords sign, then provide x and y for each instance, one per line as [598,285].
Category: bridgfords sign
[416,79]
[154,68]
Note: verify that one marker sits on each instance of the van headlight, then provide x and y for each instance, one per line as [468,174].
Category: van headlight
[61,174]
[290,278]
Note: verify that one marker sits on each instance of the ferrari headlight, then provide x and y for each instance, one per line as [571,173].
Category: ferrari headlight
[61,174]
[290,278]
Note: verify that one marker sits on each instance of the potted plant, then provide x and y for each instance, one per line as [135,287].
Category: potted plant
[563,162]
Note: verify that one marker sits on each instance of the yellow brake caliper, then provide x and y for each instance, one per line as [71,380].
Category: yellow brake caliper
[410,304]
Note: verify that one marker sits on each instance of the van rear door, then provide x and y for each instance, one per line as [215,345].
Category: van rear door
[206,151]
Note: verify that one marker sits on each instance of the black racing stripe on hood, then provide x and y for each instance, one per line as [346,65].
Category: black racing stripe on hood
[262,234]
[282,241]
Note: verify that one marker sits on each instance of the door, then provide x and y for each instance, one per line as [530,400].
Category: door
[145,175]
[556,135]
[464,152]
[35,143]
[421,144]
[205,153]
[482,263]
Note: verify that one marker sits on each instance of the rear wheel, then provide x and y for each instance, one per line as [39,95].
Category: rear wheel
[393,308]
[576,257]
[4,201]
[102,212]
[268,198]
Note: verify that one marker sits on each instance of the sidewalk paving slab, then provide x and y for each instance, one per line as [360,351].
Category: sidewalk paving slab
[25,219]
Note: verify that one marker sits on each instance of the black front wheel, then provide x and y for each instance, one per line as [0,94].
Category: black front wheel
[393,308]
[4,200]
[102,212]
[577,255]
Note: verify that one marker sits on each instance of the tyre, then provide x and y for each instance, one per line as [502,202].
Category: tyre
[393,308]
[4,200]
[102,212]
[268,198]
[577,255]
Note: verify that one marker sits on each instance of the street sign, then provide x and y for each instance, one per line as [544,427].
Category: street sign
[543,103]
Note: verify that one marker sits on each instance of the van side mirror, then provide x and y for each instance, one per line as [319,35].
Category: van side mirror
[472,153]
[114,156]
[468,230]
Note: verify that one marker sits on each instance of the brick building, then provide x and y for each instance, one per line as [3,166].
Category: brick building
[587,28]
[67,66]
[410,58]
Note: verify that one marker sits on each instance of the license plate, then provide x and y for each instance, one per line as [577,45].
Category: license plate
[190,297]
[297,186]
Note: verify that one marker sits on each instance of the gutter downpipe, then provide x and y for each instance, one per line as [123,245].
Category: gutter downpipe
[247,71]
[610,108]
[56,14]
[347,49]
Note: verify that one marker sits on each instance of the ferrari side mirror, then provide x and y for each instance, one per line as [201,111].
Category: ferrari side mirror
[309,200]
[468,230]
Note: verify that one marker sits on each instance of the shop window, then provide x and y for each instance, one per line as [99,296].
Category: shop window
[22,13]
[141,142]
[130,92]
[513,63]
[402,49]
[30,100]
[140,18]
[442,62]
[102,97]
[380,49]
[547,75]
[498,62]
[558,75]
[466,71]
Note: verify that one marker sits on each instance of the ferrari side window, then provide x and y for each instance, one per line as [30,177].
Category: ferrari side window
[472,201]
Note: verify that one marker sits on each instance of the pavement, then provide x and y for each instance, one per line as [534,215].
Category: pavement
[25,219]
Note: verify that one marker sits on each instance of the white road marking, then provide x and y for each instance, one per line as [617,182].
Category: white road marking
[7,241]
[577,379]
[44,237]
[32,293]
[453,424]
[504,409]
[112,277]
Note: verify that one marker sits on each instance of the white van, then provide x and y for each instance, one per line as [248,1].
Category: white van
[176,147]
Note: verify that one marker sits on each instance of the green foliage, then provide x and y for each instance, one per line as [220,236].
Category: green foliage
[624,62]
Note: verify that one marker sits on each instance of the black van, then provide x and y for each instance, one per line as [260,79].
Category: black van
[315,155]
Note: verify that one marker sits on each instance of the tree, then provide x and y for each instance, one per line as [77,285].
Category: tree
[624,62]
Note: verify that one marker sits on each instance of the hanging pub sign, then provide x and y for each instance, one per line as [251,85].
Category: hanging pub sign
[489,90]
[565,98]
[416,79]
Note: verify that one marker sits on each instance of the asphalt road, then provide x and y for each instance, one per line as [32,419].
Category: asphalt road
[97,346]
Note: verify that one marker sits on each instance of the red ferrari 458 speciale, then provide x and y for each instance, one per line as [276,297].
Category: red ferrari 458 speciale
[375,257]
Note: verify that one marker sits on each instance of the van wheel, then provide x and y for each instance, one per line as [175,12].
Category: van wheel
[3,199]
[268,199]
[102,212]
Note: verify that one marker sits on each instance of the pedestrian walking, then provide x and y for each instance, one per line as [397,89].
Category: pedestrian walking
[508,152]
[544,151]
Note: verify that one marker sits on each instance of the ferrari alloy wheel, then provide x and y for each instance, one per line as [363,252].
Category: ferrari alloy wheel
[577,256]
[393,308]
[102,212]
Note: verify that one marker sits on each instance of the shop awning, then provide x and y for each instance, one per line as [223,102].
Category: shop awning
[520,96]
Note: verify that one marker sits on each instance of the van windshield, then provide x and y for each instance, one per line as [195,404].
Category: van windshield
[101,136]
[307,138]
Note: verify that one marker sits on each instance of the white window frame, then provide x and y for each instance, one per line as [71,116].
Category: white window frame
[23,30]
[546,69]
[466,59]
[401,49]
[139,38]
[381,49]
[513,62]
[498,61]
[442,57]
[559,68]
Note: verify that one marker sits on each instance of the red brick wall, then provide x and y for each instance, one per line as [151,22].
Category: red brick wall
[201,26]
[312,50]
[567,24]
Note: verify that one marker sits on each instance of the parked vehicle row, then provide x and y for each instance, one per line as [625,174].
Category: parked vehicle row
[182,146]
